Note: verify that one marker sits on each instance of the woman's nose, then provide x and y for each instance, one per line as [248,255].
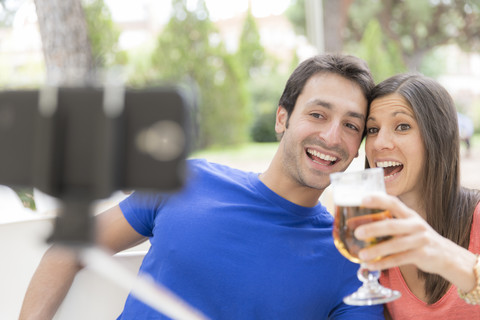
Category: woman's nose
[383,140]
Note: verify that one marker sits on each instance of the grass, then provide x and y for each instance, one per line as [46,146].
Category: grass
[258,151]
[476,139]
[247,152]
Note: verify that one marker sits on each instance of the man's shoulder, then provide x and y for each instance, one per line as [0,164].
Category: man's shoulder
[203,166]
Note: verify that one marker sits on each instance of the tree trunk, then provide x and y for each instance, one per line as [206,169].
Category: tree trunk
[335,13]
[66,47]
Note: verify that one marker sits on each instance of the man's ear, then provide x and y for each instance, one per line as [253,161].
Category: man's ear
[281,120]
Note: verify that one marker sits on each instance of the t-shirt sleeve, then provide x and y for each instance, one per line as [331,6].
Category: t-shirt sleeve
[140,209]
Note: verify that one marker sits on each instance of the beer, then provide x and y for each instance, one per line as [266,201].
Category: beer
[349,190]
[347,219]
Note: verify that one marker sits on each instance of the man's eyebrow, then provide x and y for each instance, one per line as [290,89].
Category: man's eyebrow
[360,116]
[319,102]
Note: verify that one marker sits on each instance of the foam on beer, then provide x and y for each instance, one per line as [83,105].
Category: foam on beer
[349,196]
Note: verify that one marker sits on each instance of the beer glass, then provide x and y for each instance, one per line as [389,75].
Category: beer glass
[348,189]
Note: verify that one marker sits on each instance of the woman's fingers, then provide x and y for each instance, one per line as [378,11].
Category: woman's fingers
[390,203]
[390,227]
[412,240]
[393,246]
[407,221]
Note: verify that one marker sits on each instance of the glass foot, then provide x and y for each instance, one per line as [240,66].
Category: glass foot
[369,296]
[371,292]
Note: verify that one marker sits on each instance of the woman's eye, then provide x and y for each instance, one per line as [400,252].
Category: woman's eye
[372,130]
[403,127]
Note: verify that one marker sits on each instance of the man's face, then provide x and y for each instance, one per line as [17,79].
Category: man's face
[324,131]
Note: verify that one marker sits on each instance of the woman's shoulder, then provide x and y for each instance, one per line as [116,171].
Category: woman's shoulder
[475,231]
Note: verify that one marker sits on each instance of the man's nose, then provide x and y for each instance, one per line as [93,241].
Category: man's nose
[332,133]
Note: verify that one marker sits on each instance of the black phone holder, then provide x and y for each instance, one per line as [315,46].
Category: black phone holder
[80,144]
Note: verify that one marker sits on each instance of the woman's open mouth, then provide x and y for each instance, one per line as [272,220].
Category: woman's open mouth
[390,168]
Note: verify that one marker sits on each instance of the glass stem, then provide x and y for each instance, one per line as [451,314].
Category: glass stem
[369,278]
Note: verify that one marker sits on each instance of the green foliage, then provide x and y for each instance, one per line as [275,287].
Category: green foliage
[26,197]
[418,26]
[190,47]
[381,54]
[250,53]
[266,89]
[262,81]
[103,34]
[475,115]
[296,14]
[263,129]
[432,63]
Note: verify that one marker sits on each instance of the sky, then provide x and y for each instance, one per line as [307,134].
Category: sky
[219,9]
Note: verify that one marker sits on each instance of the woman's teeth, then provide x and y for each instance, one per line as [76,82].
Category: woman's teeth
[386,164]
[391,168]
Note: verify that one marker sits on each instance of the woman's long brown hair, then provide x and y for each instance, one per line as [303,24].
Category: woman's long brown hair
[449,207]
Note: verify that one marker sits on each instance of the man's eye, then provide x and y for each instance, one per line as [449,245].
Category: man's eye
[352,126]
[316,115]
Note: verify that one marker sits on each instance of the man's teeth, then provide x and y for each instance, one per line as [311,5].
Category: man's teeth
[322,156]
[386,164]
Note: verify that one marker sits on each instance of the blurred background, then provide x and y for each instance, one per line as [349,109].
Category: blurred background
[237,56]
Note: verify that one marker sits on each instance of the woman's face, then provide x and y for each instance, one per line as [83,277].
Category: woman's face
[394,143]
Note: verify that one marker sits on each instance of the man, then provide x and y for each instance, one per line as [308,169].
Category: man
[239,245]
[465,130]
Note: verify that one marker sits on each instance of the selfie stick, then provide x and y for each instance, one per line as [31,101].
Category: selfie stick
[81,144]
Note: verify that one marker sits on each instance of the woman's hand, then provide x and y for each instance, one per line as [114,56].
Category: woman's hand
[413,242]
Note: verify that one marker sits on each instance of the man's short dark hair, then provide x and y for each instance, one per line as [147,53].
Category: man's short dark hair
[347,66]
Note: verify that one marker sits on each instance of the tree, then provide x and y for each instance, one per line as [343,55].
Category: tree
[382,55]
[296,14]
[250,53]
[190,47]
[65,42]
[103,34]
[67,46]
[335,16]
[419,26]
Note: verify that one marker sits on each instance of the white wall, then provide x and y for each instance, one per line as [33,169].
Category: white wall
[23,235]
[21,246]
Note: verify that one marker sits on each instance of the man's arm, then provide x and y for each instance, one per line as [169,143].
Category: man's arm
[58,267]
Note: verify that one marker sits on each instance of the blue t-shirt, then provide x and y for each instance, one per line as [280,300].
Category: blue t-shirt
[233,249]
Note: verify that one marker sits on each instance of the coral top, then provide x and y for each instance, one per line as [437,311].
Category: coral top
[450,306]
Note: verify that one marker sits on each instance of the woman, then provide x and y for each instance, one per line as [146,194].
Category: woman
[412,132]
